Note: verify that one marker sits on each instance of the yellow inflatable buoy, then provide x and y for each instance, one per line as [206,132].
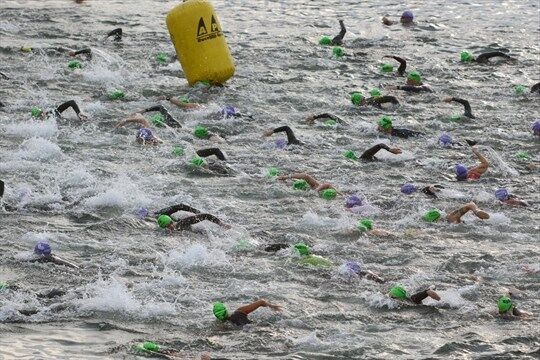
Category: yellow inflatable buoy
[199,42]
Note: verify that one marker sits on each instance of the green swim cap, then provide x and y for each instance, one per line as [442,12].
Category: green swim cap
[365,225]
[3,285]
[220,311]
[357,98]
[302,249]
[74,64]
[157,120]
[184,99]
[385,122]
[329,194]
[504,304]
[26,49]
[432,215]
[398,292]
[330,123]
[375,92]
[36,112]
[519,89]
[315,260]
[466,56]
[272,172]
[387,68]
[456,117]
[201,132]
[338,52]
[198,161]
[178,150]
[161,58]
[414,76]
[116,94]
[349,154]
[150,346]
[300,185]
[164,221]
[325,40]
[205,82]
[523,155]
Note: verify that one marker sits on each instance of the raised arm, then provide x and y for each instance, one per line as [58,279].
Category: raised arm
[338,39]
[70,104]
[211,151]
[248,309]
[370,153]
[87,52]
[402,63]
[483,58]
[175,208]
[163,111]
[117,34]
[291,139]
[312,119]
[466,106]
[134,119]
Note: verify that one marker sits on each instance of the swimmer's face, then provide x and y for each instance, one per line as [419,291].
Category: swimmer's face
[406,20]
[171,226]
[383,130]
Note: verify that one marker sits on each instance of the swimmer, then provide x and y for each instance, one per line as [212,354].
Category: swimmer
[366,226]
[117,33]
[406,19]
[57,113]
[507,308]
[229,111]
[402,64]
[240,316]
[369,154]
[43,253]
[182,102]
[165,219]
[474,173]
[3,76]
[376,101]
[326,116]
[144,136]
[355,268]
[399,293]
[385,126]
[483,58]
[338,39]
[509,199]
[87,52]
[466,105]
[211,151]
[456,215]
[413,84]
[169,119]
[291,139]
[304,180]
[534,88]
[536,128]
[2,104]
[429,190]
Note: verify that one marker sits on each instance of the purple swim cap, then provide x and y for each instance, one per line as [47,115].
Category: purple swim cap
[408,189]
[353,201]
[536,127]
[502,194]
[142,212]
[281,143]
[42,248]
[445,140]
[407,14]
[353,266]
[461,172]
[228,111]
[145,134]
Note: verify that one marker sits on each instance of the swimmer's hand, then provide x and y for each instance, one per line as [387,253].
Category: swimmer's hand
[82,116]
[432,294]
[395,151]
[386,21]
[268,132]
[448,99]
[272,306]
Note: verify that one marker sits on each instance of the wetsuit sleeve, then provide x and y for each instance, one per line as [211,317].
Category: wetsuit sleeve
[466,105]
[411,88]
[419,297]
[402,64]
[238,318]
[405,133]
[169,119]
[68,104]
[117,34]
[328,116]
[483,58]
[175,208]
[291,139]
[534,88]
[338,39]
[211,151]
[275,247]
[383,100]
[370,153]
[86,51]
[192,220]
[1,188]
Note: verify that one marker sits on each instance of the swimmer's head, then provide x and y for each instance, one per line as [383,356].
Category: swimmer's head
[398,292]
[198,161]
[42,249]
[357,98]
[536,127]
[145,135]
[502,194]
[272,172]
[375,92]
[385,123]
[281,143]
[325,40]
[504,304]
[161,58]
[432,215]
[338,52]
[228,111]
[519,89]
[349,154]
[157,120]
[408,188]
[302,249]
[353,201]
[220,311]
[353,266]
[523,155]
[300,184]
[201,132]
[387,68]
[365,225]
[178,150]
[414,78]
[164,221]
[329,194]
[407,17]
[461,172]
[465,56]
[330,123]
[36,112]
[74,64]
[116,94]
[445,140]
[150,346]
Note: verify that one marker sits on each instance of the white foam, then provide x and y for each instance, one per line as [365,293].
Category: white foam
[196,255]
[38,149]
[44,129]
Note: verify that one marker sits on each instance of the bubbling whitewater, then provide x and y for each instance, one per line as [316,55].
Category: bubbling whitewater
[79,184]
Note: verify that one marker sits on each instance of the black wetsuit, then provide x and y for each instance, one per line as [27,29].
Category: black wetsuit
[369,154]
[338,39]
[427,190]
[63,107]
[466,105]
[414,88]
[185,223]
[87,52]
[419,297]
[535,87]
[484,58]
[291,139]
[211,151]
[169,119]
[117,34]
[329,116]
[276,247]
[379,100]
[238,318]
[402,64]
[1,188]
[405,133]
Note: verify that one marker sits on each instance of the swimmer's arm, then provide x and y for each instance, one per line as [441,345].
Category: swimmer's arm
[70,104]
[483,58]
[175,208]
[402,63]
[211,151]
[117,34]
[4,76]
[134,119]
[338,39]
[534,88]
[385,99]
[248,309]
[465,103]
[291,139]
[516,202]
[370,153]
[386,21]
[314,184]
[372,276]
[162,110]
[312,119]
[58,261]
[86,51]
[483,160]
[182,104]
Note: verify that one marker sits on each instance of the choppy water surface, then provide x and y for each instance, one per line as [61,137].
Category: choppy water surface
[78,185]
